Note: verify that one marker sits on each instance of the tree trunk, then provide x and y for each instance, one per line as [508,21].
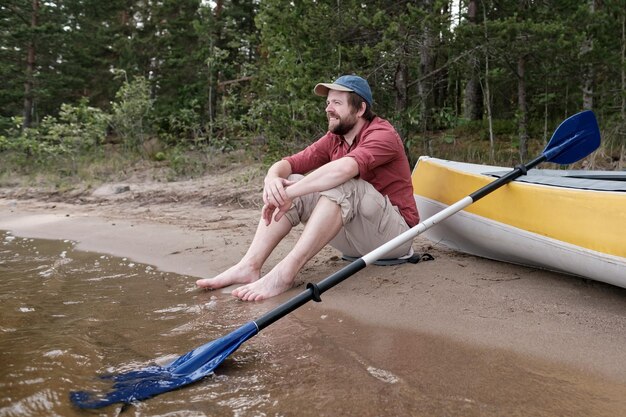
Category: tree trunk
[588,72]
[401,76]
[623,110]
[522,108]
[492,147]
[400,84]
[622,135]
[213,73]
[473,109]
[30,69]
[473,103]
[425,84]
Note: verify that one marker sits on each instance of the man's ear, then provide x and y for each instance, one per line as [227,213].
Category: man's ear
[361,111]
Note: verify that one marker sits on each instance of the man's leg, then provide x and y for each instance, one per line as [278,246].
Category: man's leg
[248,269]
[370,220]
[324,223]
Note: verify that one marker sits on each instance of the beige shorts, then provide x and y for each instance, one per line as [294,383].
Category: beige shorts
[369,218]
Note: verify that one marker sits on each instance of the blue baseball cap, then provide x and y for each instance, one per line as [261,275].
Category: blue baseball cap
[352,83]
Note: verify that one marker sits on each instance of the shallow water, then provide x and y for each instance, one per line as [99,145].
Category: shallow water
[67,316]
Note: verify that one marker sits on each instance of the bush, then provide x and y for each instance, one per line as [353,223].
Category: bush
[132,116]
[79,128]
[480,129]
[56,142]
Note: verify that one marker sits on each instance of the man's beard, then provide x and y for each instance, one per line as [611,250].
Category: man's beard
[344,126]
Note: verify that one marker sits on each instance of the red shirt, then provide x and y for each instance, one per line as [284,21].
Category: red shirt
[380,155]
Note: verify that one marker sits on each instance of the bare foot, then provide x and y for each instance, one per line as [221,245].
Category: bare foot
[237,274]
[270,285]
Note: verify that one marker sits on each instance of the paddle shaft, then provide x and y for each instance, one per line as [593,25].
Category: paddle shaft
[314,291]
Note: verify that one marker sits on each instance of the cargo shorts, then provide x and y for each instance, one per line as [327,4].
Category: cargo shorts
[369,219]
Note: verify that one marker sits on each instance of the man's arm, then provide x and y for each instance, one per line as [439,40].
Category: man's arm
[325,177]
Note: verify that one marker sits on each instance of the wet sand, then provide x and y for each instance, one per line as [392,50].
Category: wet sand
[484,317]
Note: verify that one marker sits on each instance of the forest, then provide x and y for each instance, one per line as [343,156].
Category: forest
[176,81]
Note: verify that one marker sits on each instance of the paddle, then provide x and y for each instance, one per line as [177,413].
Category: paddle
[574,139]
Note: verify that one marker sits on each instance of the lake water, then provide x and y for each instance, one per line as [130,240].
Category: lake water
[67,316]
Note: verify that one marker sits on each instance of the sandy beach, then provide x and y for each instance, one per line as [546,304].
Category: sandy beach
[198,228]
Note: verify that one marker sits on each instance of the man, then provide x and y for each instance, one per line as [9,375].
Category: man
[357,195]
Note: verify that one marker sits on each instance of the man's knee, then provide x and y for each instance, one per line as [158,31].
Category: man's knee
[327,202]
[349,196]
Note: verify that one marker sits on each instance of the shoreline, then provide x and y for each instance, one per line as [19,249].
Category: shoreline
[478,302]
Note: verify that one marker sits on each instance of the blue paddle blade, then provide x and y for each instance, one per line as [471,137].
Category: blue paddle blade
[153,380]
[575,138]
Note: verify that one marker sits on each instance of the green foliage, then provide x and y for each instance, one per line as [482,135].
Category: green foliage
[444,118]
[183,126]
[78,128]
[57,141]
[226,76]
[502,128]
[132,117]
[298,51]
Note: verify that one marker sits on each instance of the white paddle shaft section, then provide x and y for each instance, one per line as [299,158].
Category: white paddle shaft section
[410,234]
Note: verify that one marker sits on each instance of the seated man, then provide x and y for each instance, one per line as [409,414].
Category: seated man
[357,195]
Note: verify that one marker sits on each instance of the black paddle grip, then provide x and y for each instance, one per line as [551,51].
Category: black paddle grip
[312,292]
[505,179]
[316,292]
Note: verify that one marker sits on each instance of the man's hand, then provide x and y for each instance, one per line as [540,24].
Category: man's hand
[267,213]
[275,199]
[274,193]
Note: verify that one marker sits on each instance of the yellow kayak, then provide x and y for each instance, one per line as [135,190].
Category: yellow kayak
[566,221]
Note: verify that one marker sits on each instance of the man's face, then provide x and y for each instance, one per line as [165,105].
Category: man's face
[341,116]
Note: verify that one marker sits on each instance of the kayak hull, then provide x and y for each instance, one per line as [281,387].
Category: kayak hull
[577,231]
